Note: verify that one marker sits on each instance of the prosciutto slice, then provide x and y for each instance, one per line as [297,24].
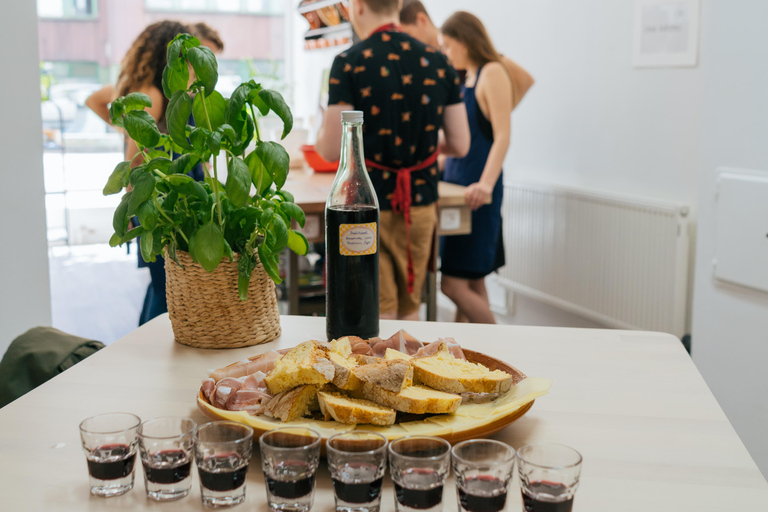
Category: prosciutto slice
[247,400]
[246,367]
[431,348]
[207,387]
[224,388]
[361,346]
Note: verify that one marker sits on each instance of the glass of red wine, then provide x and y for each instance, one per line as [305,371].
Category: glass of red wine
[222,454]
[110,444]
[549,476]
[289,458]
[483,469]
[166,446]
[357,461]
[419,466]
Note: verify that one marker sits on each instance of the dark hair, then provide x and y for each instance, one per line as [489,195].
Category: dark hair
[469,30]
[383,6]
[145,60]
[410,10]
[204,31]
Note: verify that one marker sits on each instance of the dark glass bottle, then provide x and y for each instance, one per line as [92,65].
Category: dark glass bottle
[352,241]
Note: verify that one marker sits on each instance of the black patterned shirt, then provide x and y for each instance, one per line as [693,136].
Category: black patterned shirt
[402,86]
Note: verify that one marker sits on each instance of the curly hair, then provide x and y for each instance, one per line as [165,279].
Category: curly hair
[145,60]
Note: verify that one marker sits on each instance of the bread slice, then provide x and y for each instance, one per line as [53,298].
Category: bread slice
[306,363]
[392,375]
[444,372]
[343,376]
[413,399]
[361,359]
[342,346]
[293,404]
[352,410]
[396,354]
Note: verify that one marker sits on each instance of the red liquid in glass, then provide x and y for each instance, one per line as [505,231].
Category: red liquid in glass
[535,502]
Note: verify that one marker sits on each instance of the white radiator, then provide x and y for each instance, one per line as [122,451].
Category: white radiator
[619,261]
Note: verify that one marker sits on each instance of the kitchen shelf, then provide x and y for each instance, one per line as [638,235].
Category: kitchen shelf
[314,6]
[326,31]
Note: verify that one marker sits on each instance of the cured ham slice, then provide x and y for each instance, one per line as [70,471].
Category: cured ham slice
[246,367]
[255,382]
[224,388]
[207,387]
[360,346]
[431,348]
[247,400]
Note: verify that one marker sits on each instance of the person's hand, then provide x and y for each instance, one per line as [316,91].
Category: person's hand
[477,194]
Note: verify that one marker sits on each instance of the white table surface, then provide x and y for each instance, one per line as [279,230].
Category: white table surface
[651,433]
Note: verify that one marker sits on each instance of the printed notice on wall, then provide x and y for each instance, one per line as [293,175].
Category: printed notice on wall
[666,33]
[357,239]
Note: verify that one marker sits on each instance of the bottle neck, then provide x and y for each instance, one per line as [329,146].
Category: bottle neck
[352,155]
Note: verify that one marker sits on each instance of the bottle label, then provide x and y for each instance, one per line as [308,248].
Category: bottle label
[358,239]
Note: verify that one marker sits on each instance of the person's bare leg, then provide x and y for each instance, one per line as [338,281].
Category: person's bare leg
[410,316]
[478,286]
[388,316]
[461,317]
[467,300]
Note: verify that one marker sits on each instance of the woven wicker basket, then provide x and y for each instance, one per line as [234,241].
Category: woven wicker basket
[206,311]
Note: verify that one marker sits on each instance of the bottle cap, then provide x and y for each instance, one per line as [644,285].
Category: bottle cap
[352,116]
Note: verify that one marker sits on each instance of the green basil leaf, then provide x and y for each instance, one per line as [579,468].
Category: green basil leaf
[245,267]
[214,143]
[147,213]
[183,164]
[274,100]
[162,164]
[268,260]
[276,160]
[183,184]
[143,186]
[255,99]
[146,243]
[280,230]
[212,108]
[261,179]
[238,185]
[207,246]
[198,137]
[142,128]
[114,240]
[293,211]
[298,243]
[116,112]
[120,218]
[287,196]
[246,136]
[136,101]
[177,115]
[236,113]
[118,179]
[173,54]
[137,231]
[228,133]
[206,68]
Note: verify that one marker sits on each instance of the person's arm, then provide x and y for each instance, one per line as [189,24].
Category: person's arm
[454,138]
[328,143]
[521,79]
[100,100]
[494,89]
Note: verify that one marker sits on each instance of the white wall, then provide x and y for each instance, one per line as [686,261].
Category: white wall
[24,288]
[730,323]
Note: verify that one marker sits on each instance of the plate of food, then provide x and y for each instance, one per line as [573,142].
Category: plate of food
[398,386]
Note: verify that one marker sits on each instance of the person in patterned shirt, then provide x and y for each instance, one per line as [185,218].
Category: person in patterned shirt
[408,93]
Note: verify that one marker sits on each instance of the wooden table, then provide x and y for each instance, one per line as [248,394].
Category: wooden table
[310,191]
[652,435]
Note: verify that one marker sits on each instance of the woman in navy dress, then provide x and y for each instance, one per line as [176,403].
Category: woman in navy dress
[467,259]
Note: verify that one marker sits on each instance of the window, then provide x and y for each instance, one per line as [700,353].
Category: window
[67,9]
[260,7]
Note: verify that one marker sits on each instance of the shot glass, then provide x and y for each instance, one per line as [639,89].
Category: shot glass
[357,461]
[166,446]
[549,476]
[483,469]
[289,458]
[222,454]
[110,444]
[419,466]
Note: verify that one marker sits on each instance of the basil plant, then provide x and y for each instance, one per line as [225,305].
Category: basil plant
[250,214]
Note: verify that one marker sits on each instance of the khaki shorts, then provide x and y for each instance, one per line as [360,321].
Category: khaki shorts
[393,258]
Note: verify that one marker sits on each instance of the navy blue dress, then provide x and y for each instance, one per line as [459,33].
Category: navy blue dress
[476,255]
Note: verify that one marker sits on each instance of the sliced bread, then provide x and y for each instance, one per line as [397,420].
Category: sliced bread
[293,404]
[342,346]
[304,364]
[396,354]
[444,372]
[413,399]
[343,376]
[353,410]
[392,375]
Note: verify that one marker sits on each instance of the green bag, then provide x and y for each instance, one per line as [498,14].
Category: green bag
[38,355]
